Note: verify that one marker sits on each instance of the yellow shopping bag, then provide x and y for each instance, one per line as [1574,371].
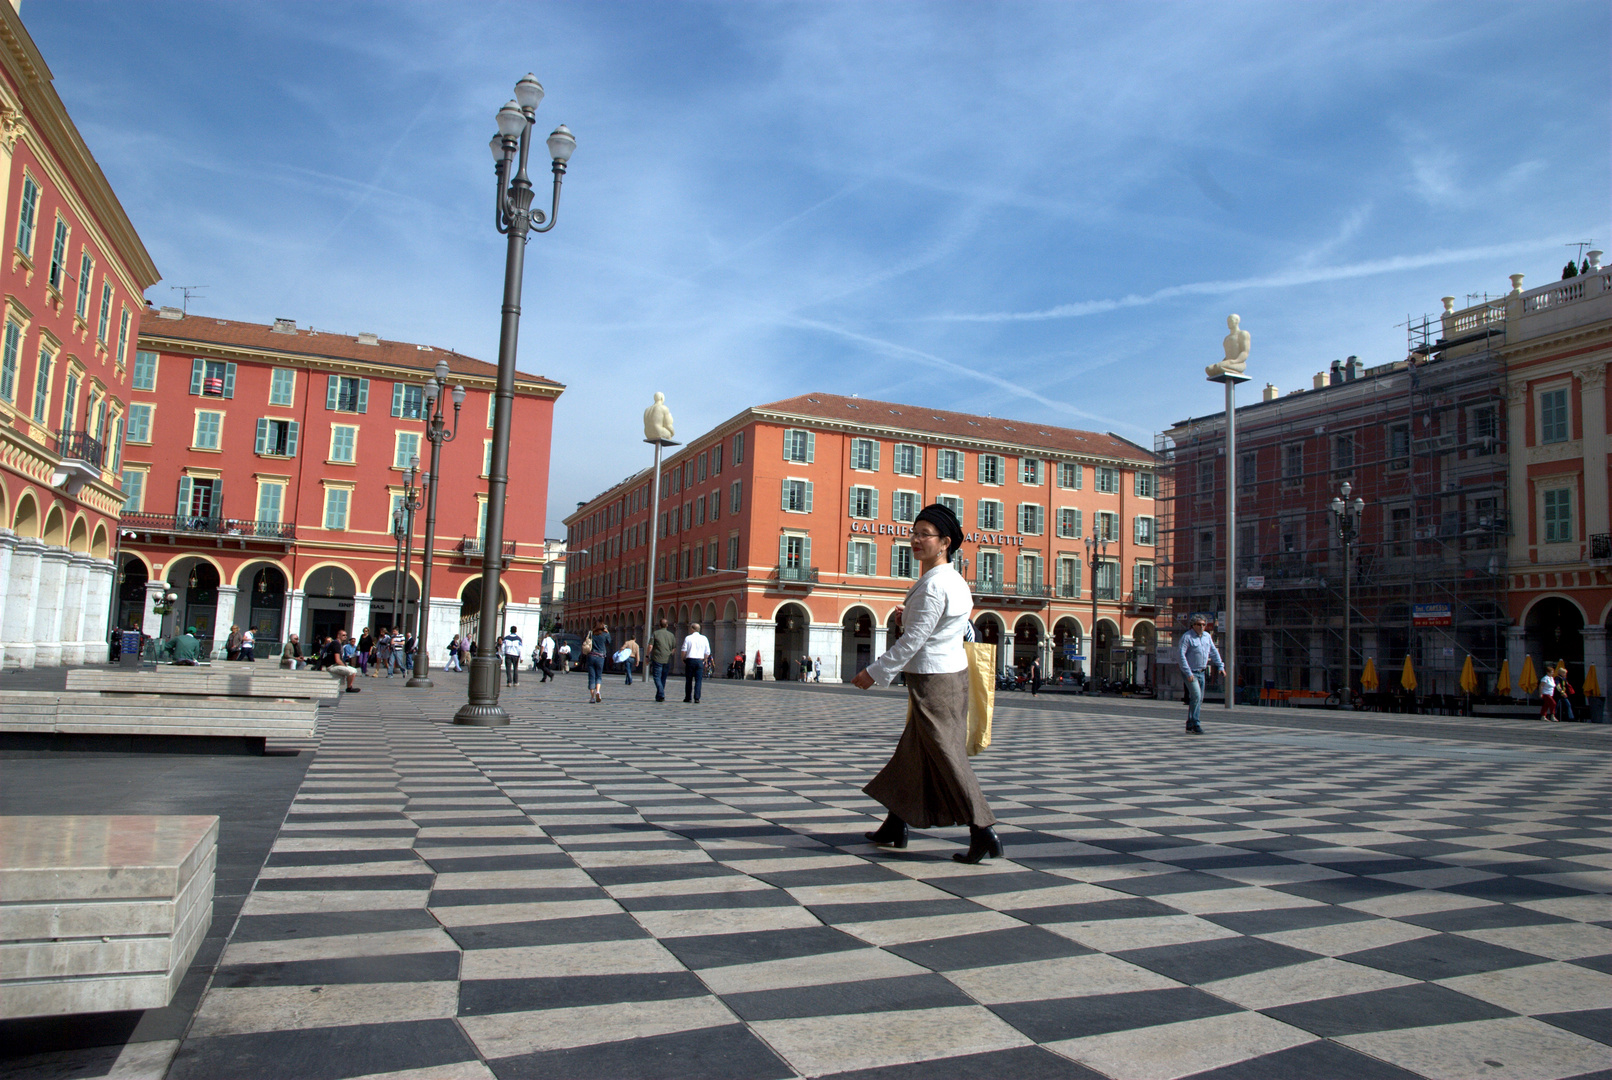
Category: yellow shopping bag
[981,693]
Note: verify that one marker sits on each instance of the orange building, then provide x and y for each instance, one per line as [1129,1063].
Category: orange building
[784,531]
[262,466]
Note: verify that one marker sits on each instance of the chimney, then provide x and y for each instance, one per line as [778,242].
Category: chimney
[284,326]
[1353,368]
[1271,392]
[367,338]
[1320,380]
[1335,374]
[170,313]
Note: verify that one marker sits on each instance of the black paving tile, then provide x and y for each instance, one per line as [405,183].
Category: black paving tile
[1099,1014]
[324,1053]
[547,932]
[468,864]
[1137,908]
[308,924]
[896,909]
[338,858]
[466,897]
[731,1052]
[1417,1005]
[356,883]
[992,884]
[635,875]
[1591,1023]
[1019,1063]
[480,996]
[1442,956]
[1488,917]
[851,998]
[1515,889]
[1012,946]
[409,967]
[1166,884]
[1602,964]
[1222,958]
[1275,920]
[746,898]
[1319,1060]
[858,874]
[1343,890]
[721,950]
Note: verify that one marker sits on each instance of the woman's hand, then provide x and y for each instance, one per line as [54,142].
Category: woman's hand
[863,680]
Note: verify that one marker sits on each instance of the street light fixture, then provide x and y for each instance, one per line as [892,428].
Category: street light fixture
[1096,555]
[403,533]
[516,219]
[435,431]
[1346,514]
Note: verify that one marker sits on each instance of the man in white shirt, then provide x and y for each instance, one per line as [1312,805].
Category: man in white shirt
[545,655]
[512,648]
[695,649]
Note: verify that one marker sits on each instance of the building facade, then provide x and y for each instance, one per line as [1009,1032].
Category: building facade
[263,466]
[784,531]
[73,273]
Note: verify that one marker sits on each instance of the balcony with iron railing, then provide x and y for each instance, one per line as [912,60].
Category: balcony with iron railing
[470,547]
[80,446]
[797,575]
[996,588]
[1601,548]
[176,524]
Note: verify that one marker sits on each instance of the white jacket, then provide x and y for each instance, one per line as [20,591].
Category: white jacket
[931,643]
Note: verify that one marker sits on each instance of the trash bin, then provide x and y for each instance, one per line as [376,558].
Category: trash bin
[1596,707]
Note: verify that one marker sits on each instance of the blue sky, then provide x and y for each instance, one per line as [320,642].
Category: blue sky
[1042,211]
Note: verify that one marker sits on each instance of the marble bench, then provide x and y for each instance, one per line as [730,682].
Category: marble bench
[101,914]
[144,721]
[234,681]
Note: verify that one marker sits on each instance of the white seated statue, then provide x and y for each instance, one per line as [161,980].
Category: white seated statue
[1236,346]
[658,420]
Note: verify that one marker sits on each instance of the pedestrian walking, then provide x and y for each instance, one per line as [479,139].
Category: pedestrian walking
[232,644]
[398,653]
[695,649]
[464,652]
[545,656]
[928,782]
[817,670]
[1198,653]
[512,646]
[1564,692]
[565,657]
[628,657]
[662,645]
[453,656]
[760,672]
[1547,695]
[596,650]
[1035,677]
[366,646]
[248,645]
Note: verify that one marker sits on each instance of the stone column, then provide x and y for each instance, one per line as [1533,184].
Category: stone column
[823,641]
[1595,653]
[99,583]
[8,547]
[1519,495]
[443,623]
[1267,657]
[72,630]
[1592,381]
[150,621]
[759,636]
[49,597]
[224,618]
[1516,650]
[293,616]
[360,613]
[1318,662]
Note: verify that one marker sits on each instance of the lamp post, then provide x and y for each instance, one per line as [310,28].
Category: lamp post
[1096,554]
[515,218]
[411,503]
[1346,515]
[436,430]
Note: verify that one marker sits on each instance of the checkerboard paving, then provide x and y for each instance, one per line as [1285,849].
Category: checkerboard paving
[641,890]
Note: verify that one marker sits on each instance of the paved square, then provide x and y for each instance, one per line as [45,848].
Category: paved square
[633,890]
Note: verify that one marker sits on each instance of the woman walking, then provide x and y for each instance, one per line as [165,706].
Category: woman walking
[366,645]
[596,661]
[453,655]
[928,782]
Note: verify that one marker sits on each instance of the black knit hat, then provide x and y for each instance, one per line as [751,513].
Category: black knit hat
[945,523]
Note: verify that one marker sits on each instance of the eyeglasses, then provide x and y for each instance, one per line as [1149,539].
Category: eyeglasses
[916,535]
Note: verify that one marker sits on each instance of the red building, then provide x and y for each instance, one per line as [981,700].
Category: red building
[73,271]
[262,467]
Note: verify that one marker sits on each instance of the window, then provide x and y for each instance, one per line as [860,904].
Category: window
[336,502]
[688,516]
[901,562]
[1030,574]
[699,510]
[677,481]
[269,499]
[42,385]
[1144,531]
[145,371]
[1553,419]
[1484,431]
[988,566]
[343,443]
[735,496]
[864,502]
[8,361]
[106,312]
[1292,535]
[798,496]
[715,502]
[1292,464]
[209,427]
[121,357]
[1069,522]
[139,430]
[904,506]
[86,270]
[408,401]
[1069,577]
[492,409]
[1107,525]
[212,378]
[952,503]
[733,553]
[865,455]
[991,468]
[688,473]
[1032,519]
[800,446]
[1399,446]
[1142,582]
[1030,471]
[909,460]
[117,443]
[948,464]
[344,393]
[134,490]
[486,457]
[1559,516]
[1107,581]
[1247,470]
[58,256]
[1247,547]
[989,514]
[199,498]
[70,401]
[738,449]
[716,460]
[1144,485]
[1206,551]
[1107,480]
[1069,475]
[1343,452]
[407,450]
[27,214]
[1399,530]
[862,557]
[1206,476]
[794,555]
[276,438]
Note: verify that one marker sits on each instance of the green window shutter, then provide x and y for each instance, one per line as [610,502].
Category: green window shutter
[198,373]
[397,399]
[332,393]
[184,496]
[363,395]
[783,552]
[262,436]
[875,457]
[218,498]
[875,513]
[811,449]
[291,439]
[229,380]
[979,514]
[806,544]
[808,496]
[784,487]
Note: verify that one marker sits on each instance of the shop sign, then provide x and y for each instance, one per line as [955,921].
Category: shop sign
[1432,615]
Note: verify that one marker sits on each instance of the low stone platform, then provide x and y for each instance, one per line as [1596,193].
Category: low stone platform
[239,680]
[41,713]
[101,914]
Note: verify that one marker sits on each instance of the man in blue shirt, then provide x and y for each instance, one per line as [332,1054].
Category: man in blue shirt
[1198,652]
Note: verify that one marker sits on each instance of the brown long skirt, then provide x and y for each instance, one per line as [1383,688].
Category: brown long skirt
[928,782]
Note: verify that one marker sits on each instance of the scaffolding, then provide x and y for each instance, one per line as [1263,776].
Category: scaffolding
[1423,442]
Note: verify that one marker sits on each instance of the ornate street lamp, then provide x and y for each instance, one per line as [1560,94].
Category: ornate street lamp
[437,432]
[1096,553]
[515,219]
[410,503]
[1346,517]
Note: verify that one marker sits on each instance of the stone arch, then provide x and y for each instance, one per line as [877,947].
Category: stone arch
[856,639]
[100,546]
[195,578]
[1067,631]
[387,611]
[327,602]
[791,627]
[5,501]
[25,520]
[78,537]
[1105,650]
[242,578]
[1144,650]
[260,602]
[173,565]
[1553,628]
[55,532]
[710,614]
[1528,612]
[1028,633]
[730,611]
[132,574]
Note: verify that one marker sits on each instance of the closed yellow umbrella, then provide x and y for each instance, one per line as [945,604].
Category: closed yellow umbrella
[1502,684]
[1592,685]
[1368,677]
[1469,678]
[1407,678]
[1529,682]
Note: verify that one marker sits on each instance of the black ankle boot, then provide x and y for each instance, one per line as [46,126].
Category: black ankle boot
[981,843]
[893,833]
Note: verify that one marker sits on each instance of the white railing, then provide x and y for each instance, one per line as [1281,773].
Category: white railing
[1475,318]
[1570,291]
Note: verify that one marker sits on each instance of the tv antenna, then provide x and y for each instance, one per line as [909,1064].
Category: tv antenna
[187,292]
[1581,245]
